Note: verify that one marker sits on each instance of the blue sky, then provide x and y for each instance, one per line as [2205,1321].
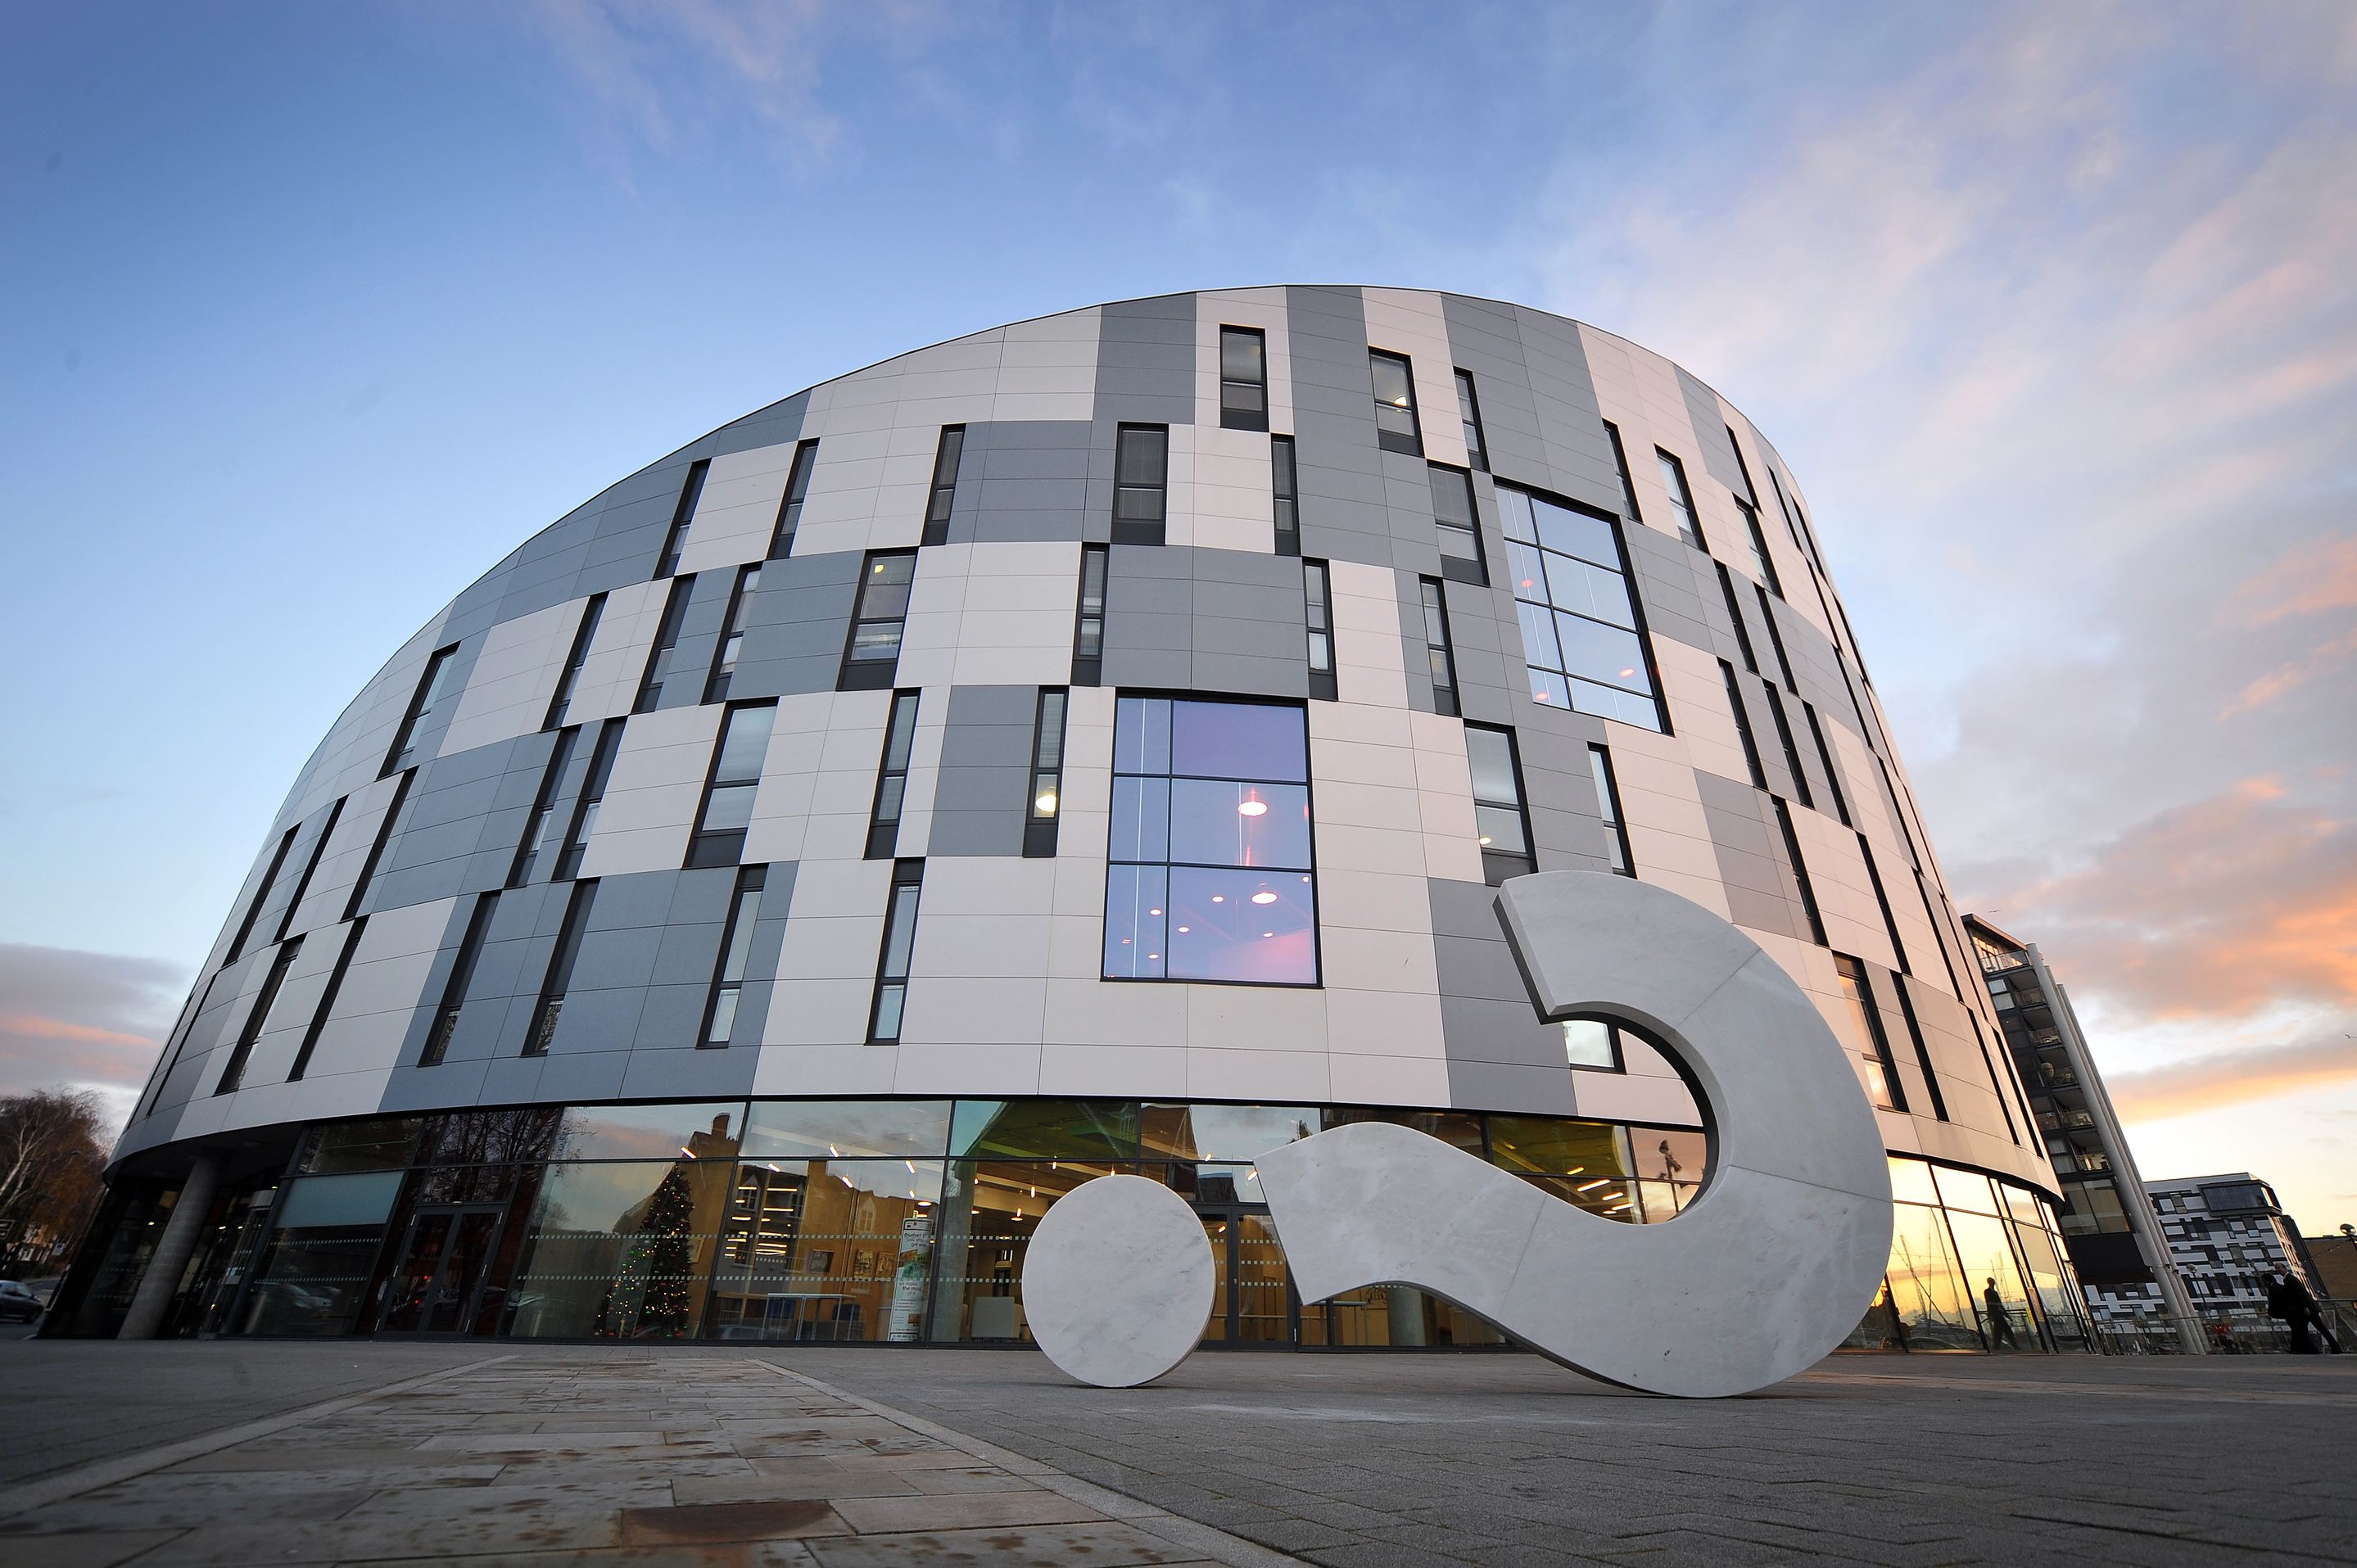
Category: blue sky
[2051,307]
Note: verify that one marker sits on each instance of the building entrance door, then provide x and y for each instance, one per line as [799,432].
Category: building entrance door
[1252,1298]
[444,1259]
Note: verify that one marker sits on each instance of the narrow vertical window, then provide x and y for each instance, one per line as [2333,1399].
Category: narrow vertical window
[881,616]
[559,704]
[1047,776]
[388,828]
[1750,490]
[1457,524]
[462,974]
[1141,481]
[432,690]
[789,507]
[1800,539]
[265,1003]
[1620,465]
[1742,726]
[1759,542]
[737,761]
[1583,640]
[543,809]
[736,948]
[892,963]
[1799,870]
[328,1000]
[1607,802]
[1735,614]
[892,777]
[593,795]
[550,1008]
[1784,739]
[1826,757]
[1088,624]
[658,656]
[682,515]
[1439,652]
[1500,818]
[261,895]
[310,867]
[1318,613]
[1882,902]
[1394,385]
[1469,408]
[1674,479]
[943,497]
[1882,1072]
[1212,876]
[732,635]
[1775,639]
[1284,497]
[1243,379]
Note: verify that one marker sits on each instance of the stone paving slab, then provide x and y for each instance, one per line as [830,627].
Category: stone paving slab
[627,1458]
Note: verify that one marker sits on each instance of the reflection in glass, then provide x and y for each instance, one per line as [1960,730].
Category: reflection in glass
[826,1249]
[847,1128]
[1927,1285]
[619,1250]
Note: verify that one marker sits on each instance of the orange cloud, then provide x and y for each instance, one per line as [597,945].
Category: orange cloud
[2319,575]
[2220,1079]
[2289,677]
[59,1029]
[2223,907]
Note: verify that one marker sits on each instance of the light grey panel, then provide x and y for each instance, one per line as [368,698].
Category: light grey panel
[1710,436]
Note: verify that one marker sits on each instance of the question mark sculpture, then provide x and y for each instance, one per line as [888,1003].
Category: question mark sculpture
[1760,1275]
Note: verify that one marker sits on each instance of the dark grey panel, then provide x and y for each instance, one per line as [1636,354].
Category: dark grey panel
[796,624]
[1024,480]
[700,625]
[1753,866]
[464,816]
[1145,360]
[1571,426]
[1674,602]
[980,798]
[1344,505]
[1486,342]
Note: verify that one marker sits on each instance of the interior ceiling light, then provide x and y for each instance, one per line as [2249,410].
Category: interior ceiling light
[1258,808]
[1591,1187]
[1263,897]
[1485,838]
[1046,803]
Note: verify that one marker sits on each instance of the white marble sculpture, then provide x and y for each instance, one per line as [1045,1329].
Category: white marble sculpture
[1117,1281]
[1764,1271]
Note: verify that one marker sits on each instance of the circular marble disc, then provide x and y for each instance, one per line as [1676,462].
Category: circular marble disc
[1117,1281]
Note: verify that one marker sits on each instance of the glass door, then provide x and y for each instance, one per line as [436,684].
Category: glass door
[443,1258]
[1251,1295]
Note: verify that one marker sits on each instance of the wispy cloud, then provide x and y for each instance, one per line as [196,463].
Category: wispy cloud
[2214,1080]
[85,1020]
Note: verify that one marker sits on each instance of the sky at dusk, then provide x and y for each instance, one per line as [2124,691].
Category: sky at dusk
[2053,309]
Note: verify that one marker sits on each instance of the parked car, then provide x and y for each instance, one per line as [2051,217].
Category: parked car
[18,1303]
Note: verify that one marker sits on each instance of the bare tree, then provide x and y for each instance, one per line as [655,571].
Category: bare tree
[51,1155]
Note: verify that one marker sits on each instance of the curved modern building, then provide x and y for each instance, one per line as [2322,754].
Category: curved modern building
[1090,745]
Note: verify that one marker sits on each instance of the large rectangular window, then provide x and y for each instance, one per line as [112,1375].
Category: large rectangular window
[789,507]
[1318,615]
[1141,483]
[1469,410]
[1674,479]
[943,497]
[1212,876]
[1047,777]
[574,658]
[1395,387]
[732,635]
[900,940]
[259,1018]
[681,515]
[1284,495]
[1607,802]
[1088,625]
[1243,379]
[543,809]
[881,616]
[593,794]
[736,778]
[1501,819]
[1882,1073]
[666,646]
[432,690]
[1581,635]
[1439,653]
[736,948]
[892,777]
[550,1008]
[1459,525]
[462,974]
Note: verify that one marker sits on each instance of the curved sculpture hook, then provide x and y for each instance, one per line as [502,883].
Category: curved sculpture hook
[1763,1273]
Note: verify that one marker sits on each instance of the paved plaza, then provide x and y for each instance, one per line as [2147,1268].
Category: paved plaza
[491,1452]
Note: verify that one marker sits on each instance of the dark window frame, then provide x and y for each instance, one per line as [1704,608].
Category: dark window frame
[257,1017]
[1870,1012]
[1141,530]
[1784,814]
[1440,656]
[1801,790]
[544,807]
[1088,667]
[1469,410]
[899,734]
[941,496]
[1607,802]
[731,645]
[1620,463]
[576,843]
[711,847]
[1474,569]
[1735,614]
[691,492]
[1317,627]
[751,883]
[388,827]
[907,874]
[1050,726]
[261,894]
[327,1005]
[1410,443]
[548,1010]
[875,674]
[574,658]
[1499,865]
[657,671]
[1241,418]
[1284,494]
[422,703]
[1742,716]
[1682,499]
[444,1022]
[1662,724]
[790,504]
[1922,1047]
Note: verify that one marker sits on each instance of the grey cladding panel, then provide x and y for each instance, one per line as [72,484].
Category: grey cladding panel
[1024,480]
[796,624]
[1145,360]
[1710,436]
[981,799]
